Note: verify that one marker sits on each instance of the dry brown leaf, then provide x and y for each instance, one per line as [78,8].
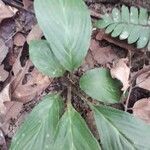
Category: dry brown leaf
[27,3]
[6,11]
[141,109]
[100,35]
[28,85]
[13,111]
[102,55]
[121,71]
[35,34]
[143,81]
[3,50]
[3,74]
[4,96]
[88,62]
[19,39]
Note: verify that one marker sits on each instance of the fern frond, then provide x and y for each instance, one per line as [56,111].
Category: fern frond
[132,24]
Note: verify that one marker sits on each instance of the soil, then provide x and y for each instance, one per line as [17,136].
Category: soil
[14,32]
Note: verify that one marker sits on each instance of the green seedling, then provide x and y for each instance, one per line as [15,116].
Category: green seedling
[52,125]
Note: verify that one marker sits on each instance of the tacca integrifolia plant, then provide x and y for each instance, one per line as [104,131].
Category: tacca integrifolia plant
[67,27]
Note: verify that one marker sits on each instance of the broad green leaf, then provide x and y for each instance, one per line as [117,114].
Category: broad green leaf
[98,84]
[38,130]
[73,134]
[120,130]
[44,59]
[67,27]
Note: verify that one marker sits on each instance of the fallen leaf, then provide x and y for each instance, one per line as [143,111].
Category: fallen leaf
[27,4]
[141,109]
[28,85]
[143,81]
[88,62]
[4,96]
[35,34]
[3,50]
[13,110]
[3,74]
[121,71]
[100,35]
[6,11]
[19,39]
[102,55]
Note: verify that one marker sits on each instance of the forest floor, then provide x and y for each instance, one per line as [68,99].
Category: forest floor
[22,86]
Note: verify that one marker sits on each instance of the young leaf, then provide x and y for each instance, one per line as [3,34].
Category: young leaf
[67,27]
[44,59]
[120,130]
[38,130]
[73,134]
[132,25]
[99,84]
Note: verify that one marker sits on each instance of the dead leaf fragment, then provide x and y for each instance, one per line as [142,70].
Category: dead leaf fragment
[121,71]
[28,85]
[141,109]
[143,81]
[19,39]
[13,110]
[6,11]
[102,55]
[27,4]
[3,74]
[4,96]
[3,50]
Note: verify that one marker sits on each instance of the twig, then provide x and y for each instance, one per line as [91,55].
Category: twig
[128,98]
[69,96]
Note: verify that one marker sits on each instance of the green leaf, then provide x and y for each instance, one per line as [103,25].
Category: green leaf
[38,130]
[103,23]
[125,13]
[132,25]
[120,130]
[116,15]
[98,84]
[143,16]
[73,134]
[118,30]
[67,27]
[44,59]
[134,15]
